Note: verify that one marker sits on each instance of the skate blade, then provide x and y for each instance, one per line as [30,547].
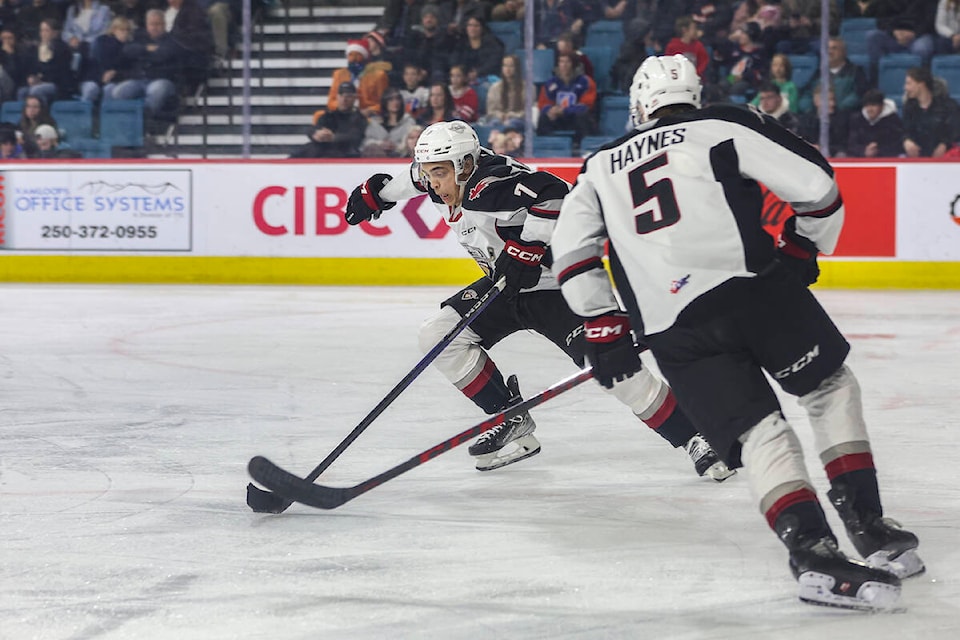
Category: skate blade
[719,472]
[527,446]
[905,565]
[818,588]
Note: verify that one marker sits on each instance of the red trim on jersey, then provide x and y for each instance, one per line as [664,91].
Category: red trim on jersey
[792,249]
[828,210]
[848,463]
[481,380]
[545,213]
[796,497]
[664,412]
[579,267]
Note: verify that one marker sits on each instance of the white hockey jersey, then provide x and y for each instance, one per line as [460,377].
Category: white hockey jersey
[503,199]
[680,203]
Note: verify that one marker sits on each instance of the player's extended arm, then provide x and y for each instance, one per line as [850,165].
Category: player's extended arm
[366,203]
[799,175]
[379,193]
[522,257]
[578,246]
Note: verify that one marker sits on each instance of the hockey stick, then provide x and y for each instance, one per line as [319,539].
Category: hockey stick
[266,502]
[314,495]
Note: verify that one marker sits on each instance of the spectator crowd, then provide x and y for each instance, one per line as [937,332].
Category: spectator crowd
[100,50]
[446,59]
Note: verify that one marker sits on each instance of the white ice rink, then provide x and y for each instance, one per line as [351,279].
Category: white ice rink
[128,415]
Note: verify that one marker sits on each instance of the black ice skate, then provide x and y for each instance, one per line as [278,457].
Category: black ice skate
[706,461]
[829,578]
[882,542]
[508,442]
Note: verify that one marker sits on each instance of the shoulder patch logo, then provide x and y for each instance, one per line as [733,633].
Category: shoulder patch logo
[480,186]
[676,285]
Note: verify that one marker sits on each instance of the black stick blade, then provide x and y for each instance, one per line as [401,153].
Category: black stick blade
[294,487]
[264,501]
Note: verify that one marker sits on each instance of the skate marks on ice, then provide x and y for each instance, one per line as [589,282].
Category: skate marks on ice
[129,413]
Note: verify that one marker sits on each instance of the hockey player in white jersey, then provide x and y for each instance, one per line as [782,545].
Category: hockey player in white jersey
[719,303]
[503,213]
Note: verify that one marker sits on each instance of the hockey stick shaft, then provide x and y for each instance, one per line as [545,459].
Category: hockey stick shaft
[322,497]
[263,501]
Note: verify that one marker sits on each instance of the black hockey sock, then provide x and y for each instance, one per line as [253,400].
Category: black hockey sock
[488,390]
[671,423]
[802,521]
[856,490]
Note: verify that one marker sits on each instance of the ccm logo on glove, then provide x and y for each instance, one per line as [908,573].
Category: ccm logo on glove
[598,331]
[531,255]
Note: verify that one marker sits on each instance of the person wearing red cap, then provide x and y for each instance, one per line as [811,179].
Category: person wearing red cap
[370,80]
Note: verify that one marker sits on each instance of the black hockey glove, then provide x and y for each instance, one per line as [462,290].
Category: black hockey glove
[609,348]
[365,202]
[520,264]
[798,254]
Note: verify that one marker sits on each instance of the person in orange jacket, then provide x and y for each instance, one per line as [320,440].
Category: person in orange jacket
[370,80]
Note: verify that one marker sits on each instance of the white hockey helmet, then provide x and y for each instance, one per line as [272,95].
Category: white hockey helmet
[453,141]
[661,81]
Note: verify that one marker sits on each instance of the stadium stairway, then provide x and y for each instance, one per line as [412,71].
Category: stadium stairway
[296,47]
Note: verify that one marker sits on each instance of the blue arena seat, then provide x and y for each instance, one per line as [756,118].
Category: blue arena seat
[552,146]
[854,33]
[602,59]
[804,67]
[892,70]
[10,111]
[543,64]
[74,119]
[121,122]
[589,144]
[862,60]
[91,147]
[510,33]
[947,67]
[483,133]
[605,33]
[614,115]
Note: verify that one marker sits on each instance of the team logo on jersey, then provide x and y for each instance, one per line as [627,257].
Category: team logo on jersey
[676,285]
[469,294]
[480,186]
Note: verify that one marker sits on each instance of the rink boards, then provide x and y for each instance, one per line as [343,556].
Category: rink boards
[281,222]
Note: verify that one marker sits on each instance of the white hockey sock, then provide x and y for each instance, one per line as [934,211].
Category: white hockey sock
[773,459]
[836,416]
[463,357]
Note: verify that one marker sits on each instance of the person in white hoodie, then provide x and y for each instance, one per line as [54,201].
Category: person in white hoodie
[777,106]
[876,131]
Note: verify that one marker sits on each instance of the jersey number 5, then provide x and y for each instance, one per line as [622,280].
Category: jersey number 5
[658,199]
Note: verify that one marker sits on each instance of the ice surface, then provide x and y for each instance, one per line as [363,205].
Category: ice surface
[128,414]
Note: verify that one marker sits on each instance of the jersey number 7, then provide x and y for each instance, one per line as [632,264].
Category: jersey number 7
[658,199]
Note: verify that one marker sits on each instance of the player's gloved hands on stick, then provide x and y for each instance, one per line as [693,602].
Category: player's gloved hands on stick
[519,263]
[609,348]
[798,254]
[365,202]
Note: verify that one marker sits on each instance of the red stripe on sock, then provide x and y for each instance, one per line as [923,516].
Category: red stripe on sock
[481,380]
[796,497]
[664,412]
[848,463]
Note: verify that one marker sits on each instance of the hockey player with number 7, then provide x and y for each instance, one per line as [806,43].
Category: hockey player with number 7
[720,304]
[503,213]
